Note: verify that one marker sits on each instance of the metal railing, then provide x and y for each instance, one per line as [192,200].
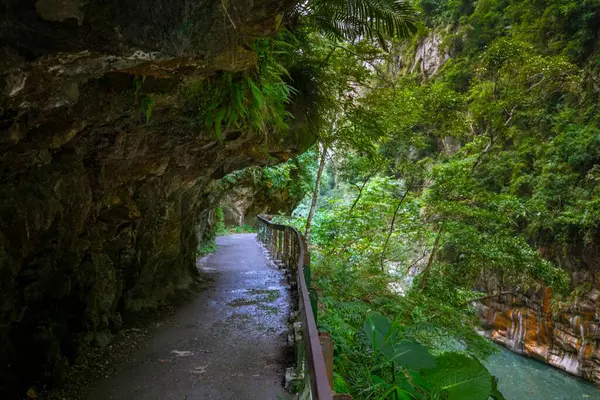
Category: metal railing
[288,246]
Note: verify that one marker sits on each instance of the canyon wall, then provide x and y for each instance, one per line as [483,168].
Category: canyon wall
[252,194]
[105,172]
[244,202]
[562,332]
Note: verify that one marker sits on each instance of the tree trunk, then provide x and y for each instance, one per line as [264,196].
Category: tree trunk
[315,199]
[430,261]
[387,239]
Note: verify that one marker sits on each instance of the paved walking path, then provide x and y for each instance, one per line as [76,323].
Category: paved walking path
[229,343]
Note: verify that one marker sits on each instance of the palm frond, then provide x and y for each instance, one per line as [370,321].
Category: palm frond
[373,19]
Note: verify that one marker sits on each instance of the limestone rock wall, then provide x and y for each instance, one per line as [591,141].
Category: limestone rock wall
[247,199]
[564,333]
[103,196]
[429,55]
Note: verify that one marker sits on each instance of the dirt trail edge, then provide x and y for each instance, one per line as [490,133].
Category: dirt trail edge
[229,343]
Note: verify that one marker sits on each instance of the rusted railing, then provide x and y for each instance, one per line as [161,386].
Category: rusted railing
[288,246]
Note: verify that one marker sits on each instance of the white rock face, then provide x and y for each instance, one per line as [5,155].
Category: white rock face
[429,58]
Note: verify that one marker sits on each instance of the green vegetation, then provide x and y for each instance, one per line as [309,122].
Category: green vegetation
[353,19]
[251,100]
[207,248]
[242,229]
[296,176]
[451,375]
[441,186]
[220,228]
[349,294]
[146,102]
[147,105]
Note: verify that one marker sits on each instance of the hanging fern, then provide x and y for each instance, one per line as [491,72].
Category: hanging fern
[253,100]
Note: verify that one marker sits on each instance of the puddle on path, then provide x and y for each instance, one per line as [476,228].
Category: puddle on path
[256,297]
[242,302]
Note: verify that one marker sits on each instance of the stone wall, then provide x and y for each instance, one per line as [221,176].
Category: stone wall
[102,200]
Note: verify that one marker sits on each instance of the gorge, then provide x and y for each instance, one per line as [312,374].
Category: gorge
[462,137]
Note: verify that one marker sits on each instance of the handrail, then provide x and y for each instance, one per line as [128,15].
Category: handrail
[286,244]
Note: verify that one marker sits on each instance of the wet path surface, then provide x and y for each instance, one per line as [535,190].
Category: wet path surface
[229,343]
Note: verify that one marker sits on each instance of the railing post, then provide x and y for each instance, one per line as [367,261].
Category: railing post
[261,231]
[279,245]
[327,349]
[286,245]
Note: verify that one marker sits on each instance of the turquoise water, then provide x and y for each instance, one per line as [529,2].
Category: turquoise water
[521,378]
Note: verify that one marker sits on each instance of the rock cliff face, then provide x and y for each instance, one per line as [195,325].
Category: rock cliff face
[429,55]
[250,197]
[104,172]
[565,335]
[243,203]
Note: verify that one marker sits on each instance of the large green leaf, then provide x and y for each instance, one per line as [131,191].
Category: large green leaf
[461,377]
[401,387]
[496,394]
[412,355]
[383,338]
[378,330]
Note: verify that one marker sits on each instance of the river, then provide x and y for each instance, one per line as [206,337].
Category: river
[521,378]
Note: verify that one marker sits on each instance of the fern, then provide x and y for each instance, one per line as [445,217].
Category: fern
[147,105]
[251,100]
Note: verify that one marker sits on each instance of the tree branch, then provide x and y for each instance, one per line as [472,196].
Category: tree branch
[387,239]
[361,188]
[491,296]
[315,198]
